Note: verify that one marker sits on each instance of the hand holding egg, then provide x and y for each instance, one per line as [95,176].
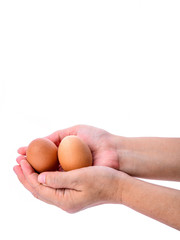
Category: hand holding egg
[100,142]
[72,148]
[72,153]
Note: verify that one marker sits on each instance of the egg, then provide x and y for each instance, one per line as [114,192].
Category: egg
[74,153]
[42,155]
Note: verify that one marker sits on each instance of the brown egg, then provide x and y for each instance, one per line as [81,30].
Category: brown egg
[42,155]
[73,153]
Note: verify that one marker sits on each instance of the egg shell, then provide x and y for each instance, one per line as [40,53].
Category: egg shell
[42,155]
[74,153]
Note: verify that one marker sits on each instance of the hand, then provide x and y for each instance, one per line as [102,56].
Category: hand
[74,190]
[103,145]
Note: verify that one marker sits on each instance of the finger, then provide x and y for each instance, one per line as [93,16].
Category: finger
[22,150]
[18,171]
[57,179]
[54,137]
[57,136]
[41,192]
[29,173]
[19,158]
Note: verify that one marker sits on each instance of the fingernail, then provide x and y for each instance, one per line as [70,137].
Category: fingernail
[41,178]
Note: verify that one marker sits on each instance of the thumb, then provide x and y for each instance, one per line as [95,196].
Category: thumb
[57,136]
[58,179]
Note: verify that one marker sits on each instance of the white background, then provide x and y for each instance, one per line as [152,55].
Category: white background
[110,64]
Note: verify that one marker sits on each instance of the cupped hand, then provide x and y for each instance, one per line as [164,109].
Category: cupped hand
[103,145]
[74,190]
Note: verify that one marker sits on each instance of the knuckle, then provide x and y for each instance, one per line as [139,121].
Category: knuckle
[54,181]
[78,126]
[69,208]
[67,202]
[71,211]
[34,193]
[51,180]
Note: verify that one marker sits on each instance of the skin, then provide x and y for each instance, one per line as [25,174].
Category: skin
[117,161]
[154,158]
[74,190]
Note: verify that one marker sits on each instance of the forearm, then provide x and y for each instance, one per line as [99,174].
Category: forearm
[155,158]
[159,203]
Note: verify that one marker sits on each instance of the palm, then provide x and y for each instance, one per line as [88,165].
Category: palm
[100,142]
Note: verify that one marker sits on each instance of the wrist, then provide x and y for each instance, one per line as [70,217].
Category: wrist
[123,184]
[124,151]
[127,187]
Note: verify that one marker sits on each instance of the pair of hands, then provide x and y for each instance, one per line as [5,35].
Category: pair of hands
[82,188]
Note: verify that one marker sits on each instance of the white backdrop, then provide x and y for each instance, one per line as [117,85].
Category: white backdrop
[110,64]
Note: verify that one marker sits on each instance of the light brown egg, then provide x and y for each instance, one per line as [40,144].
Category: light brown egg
[73,153]
[42,155]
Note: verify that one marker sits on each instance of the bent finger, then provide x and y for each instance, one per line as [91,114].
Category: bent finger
[22,150]
[41,191]
[18,171]
[57,136]
[19,158]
